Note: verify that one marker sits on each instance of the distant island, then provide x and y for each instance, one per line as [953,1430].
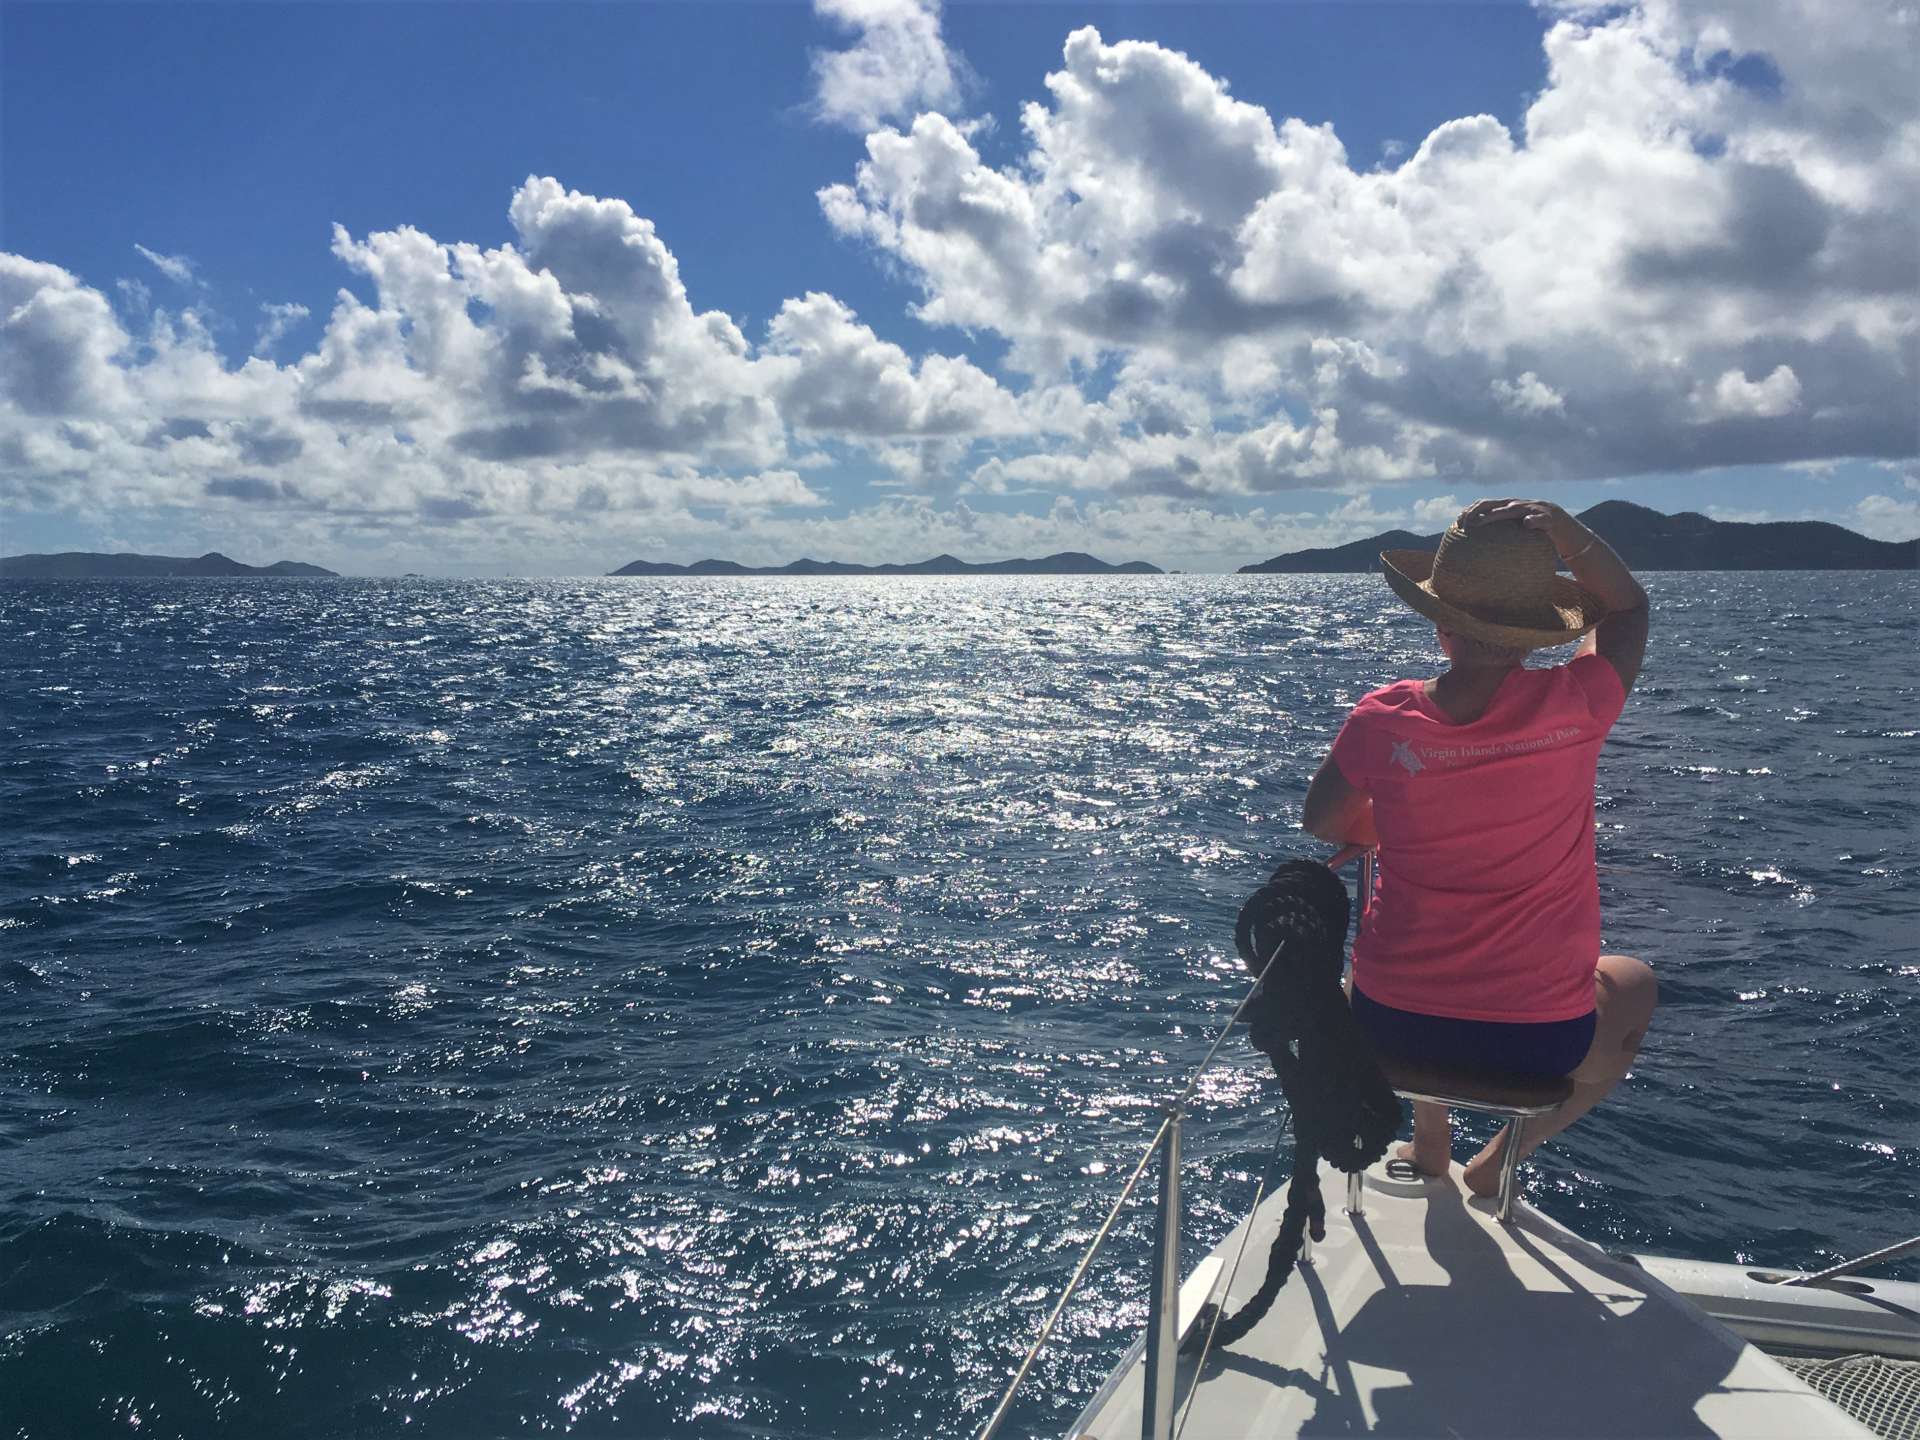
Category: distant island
[1649,540]
[1067,562]
[84,565]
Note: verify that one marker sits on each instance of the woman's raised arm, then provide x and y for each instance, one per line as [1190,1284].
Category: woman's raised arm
[1621,638]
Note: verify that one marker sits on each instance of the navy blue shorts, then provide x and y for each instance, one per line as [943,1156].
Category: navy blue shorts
[1555,1047]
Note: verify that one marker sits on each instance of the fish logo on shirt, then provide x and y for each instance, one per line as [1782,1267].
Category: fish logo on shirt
[1403,755]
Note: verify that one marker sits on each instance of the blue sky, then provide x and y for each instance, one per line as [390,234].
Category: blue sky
[239,134]
[229,141]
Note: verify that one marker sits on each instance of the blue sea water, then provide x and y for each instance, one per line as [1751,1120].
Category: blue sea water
[725,1008]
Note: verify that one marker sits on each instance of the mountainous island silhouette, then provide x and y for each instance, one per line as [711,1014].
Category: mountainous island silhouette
[1067,562]
[88,565]
[1648,540]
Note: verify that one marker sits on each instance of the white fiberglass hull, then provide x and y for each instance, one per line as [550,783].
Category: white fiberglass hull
[1426,1317]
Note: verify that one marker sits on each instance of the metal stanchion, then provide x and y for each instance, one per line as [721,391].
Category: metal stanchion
[1163,1307]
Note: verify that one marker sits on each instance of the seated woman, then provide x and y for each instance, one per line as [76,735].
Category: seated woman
[1482,946]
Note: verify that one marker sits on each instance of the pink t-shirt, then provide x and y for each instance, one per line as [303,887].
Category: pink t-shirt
[1488,905]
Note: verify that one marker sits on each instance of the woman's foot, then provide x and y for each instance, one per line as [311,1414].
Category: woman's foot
[1482,1172]
[1427,1162]
[1431,1150]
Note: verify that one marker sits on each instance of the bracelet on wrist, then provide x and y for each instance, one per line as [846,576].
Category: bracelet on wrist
[1569,559]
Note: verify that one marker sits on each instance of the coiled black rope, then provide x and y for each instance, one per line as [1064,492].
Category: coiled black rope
[1292,933]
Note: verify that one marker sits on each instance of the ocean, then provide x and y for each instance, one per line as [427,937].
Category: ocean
[726,1008]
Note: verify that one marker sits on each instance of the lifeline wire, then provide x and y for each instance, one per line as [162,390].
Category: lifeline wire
[1226,1285]
[1000,1411]
[1266,1176]
[1863,1262]
[1099,1239]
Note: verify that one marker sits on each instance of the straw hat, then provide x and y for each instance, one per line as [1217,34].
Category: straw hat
[1497,583]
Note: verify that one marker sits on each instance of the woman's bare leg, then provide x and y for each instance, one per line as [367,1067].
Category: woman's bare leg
[1624,996]
[1432,1149]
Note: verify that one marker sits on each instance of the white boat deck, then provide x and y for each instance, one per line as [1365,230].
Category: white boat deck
[1427,1317]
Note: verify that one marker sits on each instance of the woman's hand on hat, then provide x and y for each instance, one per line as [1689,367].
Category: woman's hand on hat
[1534,514]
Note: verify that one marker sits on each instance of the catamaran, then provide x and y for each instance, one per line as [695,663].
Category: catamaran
[1428,1311]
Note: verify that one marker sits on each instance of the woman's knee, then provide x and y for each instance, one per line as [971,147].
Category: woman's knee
[1627,985]
[1624,993]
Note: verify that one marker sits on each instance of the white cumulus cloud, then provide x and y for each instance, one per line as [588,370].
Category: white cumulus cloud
[1436,512]
[1886,517]
[276,321]
[1733,394]
[177,268]
[567,374]
[1698,248]
[833,375]
[1528,395]
[898,65]
[61,343]
[1564,301]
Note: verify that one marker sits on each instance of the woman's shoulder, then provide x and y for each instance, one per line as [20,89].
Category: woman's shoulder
[1400,695]
[1586,670]
[1587,683]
